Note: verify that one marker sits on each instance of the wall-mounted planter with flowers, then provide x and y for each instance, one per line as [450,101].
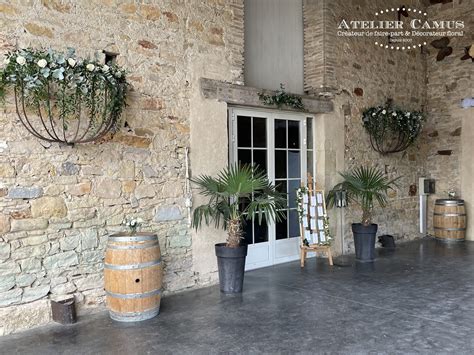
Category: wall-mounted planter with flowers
[62,98]
[392,130]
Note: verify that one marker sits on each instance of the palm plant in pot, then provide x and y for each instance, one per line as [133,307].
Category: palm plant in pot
[364,186]
[238,194]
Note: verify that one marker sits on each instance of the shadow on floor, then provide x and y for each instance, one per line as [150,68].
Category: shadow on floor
[418,298]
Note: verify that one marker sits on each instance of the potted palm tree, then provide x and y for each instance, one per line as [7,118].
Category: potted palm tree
[364,186]
[238,194]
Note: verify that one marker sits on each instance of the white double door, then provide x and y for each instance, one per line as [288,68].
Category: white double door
[281,144]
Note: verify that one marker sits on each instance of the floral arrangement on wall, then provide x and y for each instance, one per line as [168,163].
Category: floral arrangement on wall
[63,98]
[391,129]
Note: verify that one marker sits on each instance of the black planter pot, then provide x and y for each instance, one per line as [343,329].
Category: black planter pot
[387,241]
[364,241]
[231,265]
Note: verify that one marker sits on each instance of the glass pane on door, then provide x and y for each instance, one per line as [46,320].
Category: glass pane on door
[260,231]
[281,228]
[288,155]
[252,149]
[293,134]
[244,129]
[294,164]
[259,132]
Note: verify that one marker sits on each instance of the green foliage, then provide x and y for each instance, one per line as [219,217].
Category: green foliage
[238,193]
[365,186]
[282,98]
[391,129]
[60,83]
[300,192]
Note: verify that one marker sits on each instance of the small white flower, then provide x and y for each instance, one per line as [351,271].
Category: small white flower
[118,74]
[71,62]
[394,114]
[105,68]
[373,114]
[42,63]
[21,60]
[90,67]
[408,114]
[384,112]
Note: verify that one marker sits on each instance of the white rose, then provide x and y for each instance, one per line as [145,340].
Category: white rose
[21,60]
[71,62]
[90,67]
[42,63]
[105,68]
[384,112]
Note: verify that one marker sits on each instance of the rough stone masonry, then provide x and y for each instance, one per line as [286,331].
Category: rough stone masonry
[58,204]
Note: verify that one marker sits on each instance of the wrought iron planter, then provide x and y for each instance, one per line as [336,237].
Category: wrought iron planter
[389,142]
[84,127]
[392,130]
[59,98]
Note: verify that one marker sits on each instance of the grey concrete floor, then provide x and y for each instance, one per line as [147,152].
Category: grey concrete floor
[416,299]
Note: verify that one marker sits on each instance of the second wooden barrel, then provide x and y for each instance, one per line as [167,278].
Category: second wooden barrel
[449,219]
[133,276]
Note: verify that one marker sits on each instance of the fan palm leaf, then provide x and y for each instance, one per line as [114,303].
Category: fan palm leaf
[364,186]
[236,194]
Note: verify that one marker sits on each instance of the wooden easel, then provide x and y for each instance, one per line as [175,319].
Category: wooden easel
[313,247]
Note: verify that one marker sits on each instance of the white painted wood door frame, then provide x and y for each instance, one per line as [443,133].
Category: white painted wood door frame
[273,251]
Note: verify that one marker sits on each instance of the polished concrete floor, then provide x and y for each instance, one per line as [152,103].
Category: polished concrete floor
[416,299]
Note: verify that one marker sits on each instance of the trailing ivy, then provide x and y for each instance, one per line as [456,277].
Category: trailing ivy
[282,98]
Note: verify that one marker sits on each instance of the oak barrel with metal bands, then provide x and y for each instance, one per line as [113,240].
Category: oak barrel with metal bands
[450,220]
[133,276]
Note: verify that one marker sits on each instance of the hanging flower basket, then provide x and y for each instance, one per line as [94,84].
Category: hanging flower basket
[392,130]
[62,98]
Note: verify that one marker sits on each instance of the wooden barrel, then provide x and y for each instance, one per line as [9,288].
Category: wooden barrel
[133,274]
[449,219]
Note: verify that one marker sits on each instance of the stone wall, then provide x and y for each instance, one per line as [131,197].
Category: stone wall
[58,204]
[448,82]
[359,75]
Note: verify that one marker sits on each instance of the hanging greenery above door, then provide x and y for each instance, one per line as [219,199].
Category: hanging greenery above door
[282,98]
